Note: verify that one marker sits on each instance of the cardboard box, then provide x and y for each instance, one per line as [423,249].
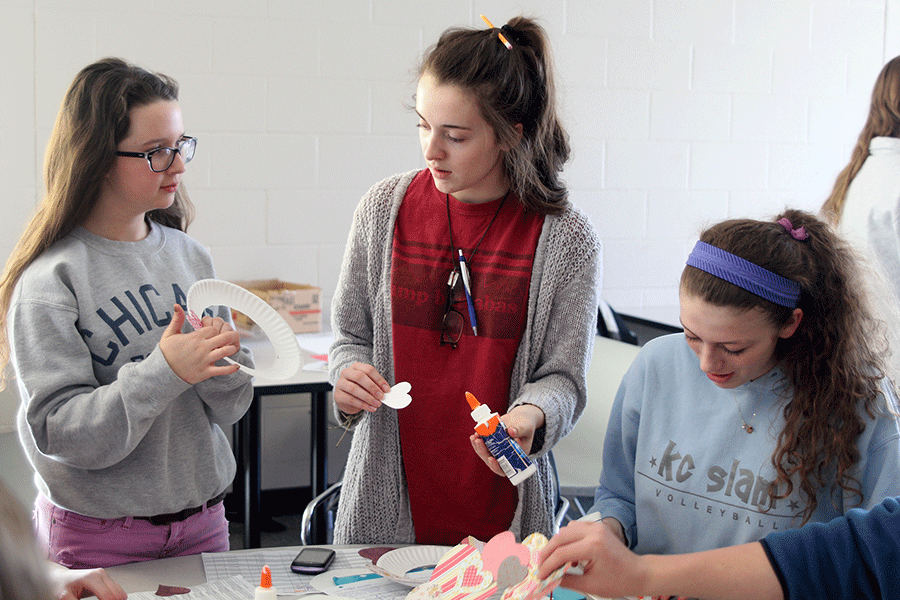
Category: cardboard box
[299,304]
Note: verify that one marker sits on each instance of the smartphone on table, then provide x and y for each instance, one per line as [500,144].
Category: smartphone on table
[311,561]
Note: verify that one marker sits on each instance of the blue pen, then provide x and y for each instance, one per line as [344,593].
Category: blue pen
[465,277]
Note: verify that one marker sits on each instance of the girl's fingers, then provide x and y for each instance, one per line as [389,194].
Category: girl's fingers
[175,324]
[223,352]
[225,370]
[483,453]
[351,397]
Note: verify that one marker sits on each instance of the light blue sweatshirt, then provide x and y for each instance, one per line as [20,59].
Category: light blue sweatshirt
[681,474]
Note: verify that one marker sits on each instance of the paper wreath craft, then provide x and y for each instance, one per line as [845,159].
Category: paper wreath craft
[209,292]
[501,568]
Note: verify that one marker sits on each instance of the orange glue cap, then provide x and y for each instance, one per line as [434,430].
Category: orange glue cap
[487,421]
[265,579]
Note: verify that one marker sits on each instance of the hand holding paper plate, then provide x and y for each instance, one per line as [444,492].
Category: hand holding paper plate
[215,292]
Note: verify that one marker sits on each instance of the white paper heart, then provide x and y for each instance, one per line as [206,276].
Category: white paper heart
[399,396]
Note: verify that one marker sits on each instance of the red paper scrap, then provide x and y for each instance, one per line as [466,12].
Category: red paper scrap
[171,590]
[375,553]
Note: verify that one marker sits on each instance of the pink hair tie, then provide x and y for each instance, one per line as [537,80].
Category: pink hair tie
[797,234]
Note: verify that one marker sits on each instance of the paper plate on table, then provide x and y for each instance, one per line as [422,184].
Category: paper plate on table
[410,566]
[215,292]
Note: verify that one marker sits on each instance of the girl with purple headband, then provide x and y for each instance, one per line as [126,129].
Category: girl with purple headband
[770,411]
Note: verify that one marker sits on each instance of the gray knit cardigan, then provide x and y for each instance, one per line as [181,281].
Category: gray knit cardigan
[549,370]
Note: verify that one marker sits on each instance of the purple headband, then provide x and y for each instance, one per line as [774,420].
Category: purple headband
[745,274]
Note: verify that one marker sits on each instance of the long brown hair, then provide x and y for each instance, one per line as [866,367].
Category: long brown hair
[883,121]
[835,359]
[93,119]
[511,87]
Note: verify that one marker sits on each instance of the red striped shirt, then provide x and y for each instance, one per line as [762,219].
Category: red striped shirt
[452,492]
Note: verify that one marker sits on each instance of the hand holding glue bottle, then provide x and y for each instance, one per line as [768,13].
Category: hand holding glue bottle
[513,460]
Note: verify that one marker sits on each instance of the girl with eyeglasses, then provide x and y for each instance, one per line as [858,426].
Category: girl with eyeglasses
[475,274]
[772,410]
[122,404]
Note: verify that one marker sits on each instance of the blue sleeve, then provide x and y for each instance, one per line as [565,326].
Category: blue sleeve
[615,497]
[854,556]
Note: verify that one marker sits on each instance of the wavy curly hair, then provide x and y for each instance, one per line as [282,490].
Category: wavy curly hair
[511,87]
[835,359]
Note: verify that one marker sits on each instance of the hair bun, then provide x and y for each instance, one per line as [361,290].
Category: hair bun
[516,37]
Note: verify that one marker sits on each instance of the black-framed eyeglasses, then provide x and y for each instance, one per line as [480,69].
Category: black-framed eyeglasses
[161,159]
[453,321]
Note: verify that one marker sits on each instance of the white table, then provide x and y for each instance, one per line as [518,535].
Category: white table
[183,571]
[144,576]
[186,571]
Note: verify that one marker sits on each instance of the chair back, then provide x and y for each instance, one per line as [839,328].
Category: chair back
[579,455]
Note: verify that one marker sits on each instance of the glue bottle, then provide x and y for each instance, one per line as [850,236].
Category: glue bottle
[266,591]
[513,460]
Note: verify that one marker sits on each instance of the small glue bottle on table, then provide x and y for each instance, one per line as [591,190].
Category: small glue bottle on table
[513,460]
[266,591]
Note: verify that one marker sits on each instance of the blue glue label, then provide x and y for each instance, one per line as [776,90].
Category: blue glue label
[508,453]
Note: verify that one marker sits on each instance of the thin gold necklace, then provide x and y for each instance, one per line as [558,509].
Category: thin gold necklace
[746,426]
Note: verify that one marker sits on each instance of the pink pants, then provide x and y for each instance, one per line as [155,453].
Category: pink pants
[81,542]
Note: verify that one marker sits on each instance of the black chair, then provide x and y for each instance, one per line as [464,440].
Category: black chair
[610,324]
[327,501]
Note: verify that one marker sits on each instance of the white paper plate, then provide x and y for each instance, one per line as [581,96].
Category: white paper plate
[215,292]
[410,566]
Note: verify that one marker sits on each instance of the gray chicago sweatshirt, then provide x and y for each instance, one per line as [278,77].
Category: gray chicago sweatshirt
[110,429]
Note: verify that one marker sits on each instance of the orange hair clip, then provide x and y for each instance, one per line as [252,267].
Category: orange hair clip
[500,35]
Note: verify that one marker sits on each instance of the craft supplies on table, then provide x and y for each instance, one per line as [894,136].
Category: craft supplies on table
[234,575]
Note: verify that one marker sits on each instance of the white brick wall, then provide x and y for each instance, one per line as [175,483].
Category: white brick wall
[680,112]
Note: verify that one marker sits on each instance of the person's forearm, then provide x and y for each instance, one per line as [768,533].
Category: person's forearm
[735,572]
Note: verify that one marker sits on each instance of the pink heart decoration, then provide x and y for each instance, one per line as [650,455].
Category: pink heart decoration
[499,548]
[531,588]
[471,577]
